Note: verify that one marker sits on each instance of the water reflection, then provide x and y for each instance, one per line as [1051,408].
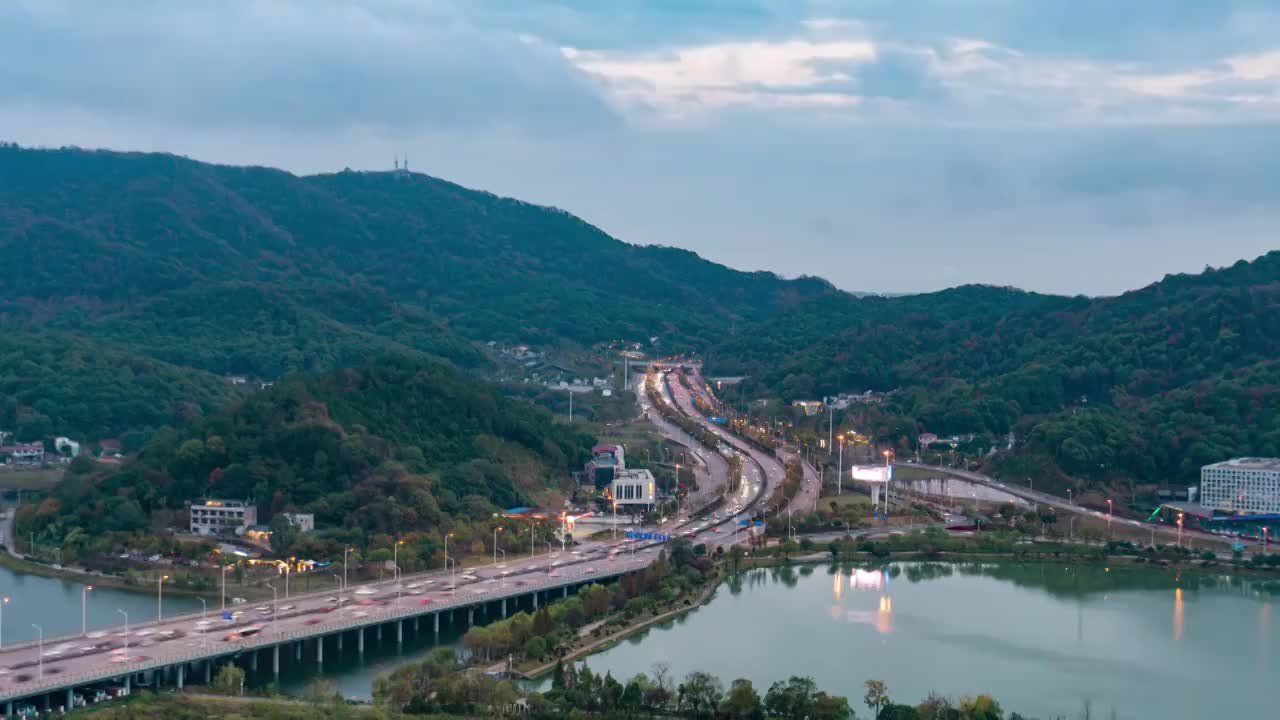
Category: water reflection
[1177,613]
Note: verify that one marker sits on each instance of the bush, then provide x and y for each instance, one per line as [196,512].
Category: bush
[535,647]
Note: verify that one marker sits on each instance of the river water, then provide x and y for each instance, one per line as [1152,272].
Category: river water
[55,604]
[1044,640]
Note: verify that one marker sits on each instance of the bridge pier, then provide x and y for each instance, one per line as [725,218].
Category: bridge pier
[535,599]
[297,652]
[275,664]
[253,661]
[437,618]
[360,640]
[339,641]
[319,649]
[128,683]
[8,710]
[70,700]
[416,618]
[378,631]
[504,608]
[208,672]
[471,616]
[400,632]
[181,669]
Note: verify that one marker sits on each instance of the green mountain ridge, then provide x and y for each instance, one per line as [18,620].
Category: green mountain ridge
[212,269]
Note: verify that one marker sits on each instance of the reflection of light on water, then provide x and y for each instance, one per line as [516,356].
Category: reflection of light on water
[837,586]
[1177,614]
[884,616]
[866,580]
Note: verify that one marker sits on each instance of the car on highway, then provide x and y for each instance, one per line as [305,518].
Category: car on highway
[312,621]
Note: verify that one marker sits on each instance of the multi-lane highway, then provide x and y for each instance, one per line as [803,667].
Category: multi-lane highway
[26,667]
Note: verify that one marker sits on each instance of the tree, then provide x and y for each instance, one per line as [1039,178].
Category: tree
[981,707]
[700,693]
[877,696]
[793,699]
[535,647]
[743,702]
[284,534]
[893,711]
[557,676]
[229,680]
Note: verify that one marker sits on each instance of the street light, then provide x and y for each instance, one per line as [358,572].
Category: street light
[395,561]
[84,603]
[446,550]
[345,548]
[1179,529]
[225,568]
[3,601]
[40,648]
[840,468]
[160,597]
[275,602]
[1108,518]
[126,630]
[495,544]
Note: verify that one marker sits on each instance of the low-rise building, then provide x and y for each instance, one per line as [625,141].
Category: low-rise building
[632,488]
[606,462]
[1242,486]
[66,446]
[222,517]
[25,454]
[305,522]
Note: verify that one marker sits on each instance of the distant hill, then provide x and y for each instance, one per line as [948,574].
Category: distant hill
[254,271]
[183,271]
[1144,387]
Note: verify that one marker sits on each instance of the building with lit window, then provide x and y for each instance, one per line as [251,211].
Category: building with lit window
[632,488]
[1243,486]
[222,517]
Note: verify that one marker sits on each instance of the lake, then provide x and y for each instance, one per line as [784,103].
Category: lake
[1044,640]
[54,604]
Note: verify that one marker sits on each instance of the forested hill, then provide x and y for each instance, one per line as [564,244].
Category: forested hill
[1144,387]
[390,447]
[100,236]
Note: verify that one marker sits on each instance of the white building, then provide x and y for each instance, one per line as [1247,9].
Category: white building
[633,487]
[1242,485]
[305,522]
[66,446]
[221,517]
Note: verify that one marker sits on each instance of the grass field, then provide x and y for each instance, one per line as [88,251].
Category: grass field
[36,479]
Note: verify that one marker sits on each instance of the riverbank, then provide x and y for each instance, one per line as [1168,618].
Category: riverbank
[612,639]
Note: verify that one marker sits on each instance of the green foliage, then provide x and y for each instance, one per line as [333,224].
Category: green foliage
[229,680]
[329,445]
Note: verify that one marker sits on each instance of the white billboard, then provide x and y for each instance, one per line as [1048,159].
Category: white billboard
[872,473]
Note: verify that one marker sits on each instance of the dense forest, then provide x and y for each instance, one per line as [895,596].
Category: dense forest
[133,280]
[257,272]
[1140,388]
[390,447]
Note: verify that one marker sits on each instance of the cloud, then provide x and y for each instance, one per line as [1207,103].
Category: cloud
[302,65]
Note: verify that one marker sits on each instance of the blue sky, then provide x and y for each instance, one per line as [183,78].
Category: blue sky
[1071,146]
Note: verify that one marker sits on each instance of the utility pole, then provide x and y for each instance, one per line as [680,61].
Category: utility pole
[840,467]
[831,424]
[571,406]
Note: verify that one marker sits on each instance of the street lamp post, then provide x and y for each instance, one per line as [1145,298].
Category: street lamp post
[840,468]
[532,525]
[275,603]
[446,550]
[395,561]
[126,630]
[3,601]
[495,544]
[84,604]
[677,488]
[1108,518]
[1068,496]
[40,649]
[225,568]
[345,548]
[615,518]
[160,597]
[288,570]
[1179,529]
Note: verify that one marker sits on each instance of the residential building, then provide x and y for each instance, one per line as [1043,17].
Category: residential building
[810,407]
[606,461]
[634,488]
[1242,486]
[305,522]
[222,517]
[25,454]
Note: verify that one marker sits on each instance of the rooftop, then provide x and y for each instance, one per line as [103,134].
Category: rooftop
[1248,463]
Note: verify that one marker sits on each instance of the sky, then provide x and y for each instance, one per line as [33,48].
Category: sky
[1066,146]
